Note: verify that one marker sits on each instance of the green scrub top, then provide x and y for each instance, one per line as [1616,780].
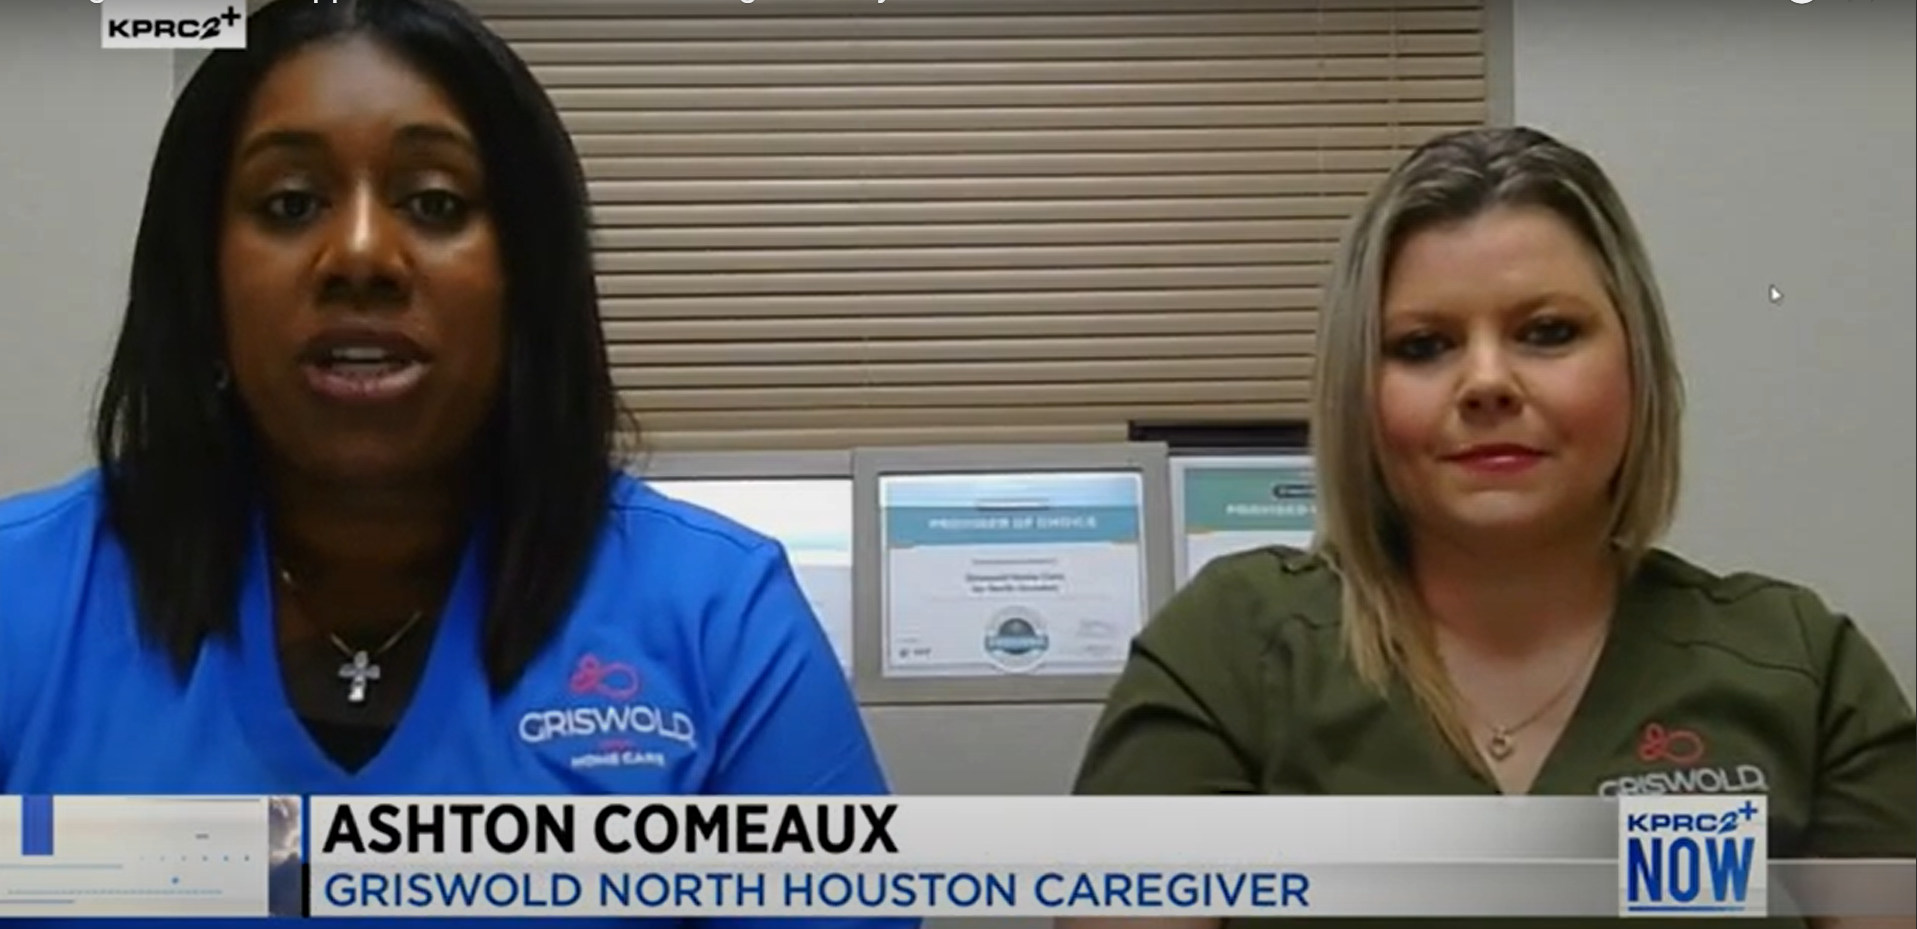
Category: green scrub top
[1707,684]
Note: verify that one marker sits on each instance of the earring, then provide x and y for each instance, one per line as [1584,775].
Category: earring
[222,377]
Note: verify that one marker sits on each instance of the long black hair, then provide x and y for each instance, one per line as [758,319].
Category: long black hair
[175,447]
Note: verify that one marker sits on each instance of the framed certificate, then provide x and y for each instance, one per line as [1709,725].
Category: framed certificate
[1226,504]
[1006,574]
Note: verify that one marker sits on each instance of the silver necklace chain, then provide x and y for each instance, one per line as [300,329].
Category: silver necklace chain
[362,668]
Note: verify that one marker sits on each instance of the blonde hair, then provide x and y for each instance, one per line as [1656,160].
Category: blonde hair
[1361,531]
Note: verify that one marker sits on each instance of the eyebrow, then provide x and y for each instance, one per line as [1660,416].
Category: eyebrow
[1521,308]
[434,134]
[308,140]
[281,138]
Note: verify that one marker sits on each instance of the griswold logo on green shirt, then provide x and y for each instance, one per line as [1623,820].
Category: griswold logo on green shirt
[1675,761]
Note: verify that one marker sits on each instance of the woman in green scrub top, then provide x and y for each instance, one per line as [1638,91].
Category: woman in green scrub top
[1496,425]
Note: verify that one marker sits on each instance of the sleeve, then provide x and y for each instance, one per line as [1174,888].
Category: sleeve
[9,726]
[1863,805]
[20,601]
[6,724]
[1186,713]
[49,543]
[788,723]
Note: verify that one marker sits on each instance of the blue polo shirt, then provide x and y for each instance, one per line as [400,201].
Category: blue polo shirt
[691,664]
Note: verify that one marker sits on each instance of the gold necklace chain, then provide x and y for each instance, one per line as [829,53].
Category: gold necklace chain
[1503,742]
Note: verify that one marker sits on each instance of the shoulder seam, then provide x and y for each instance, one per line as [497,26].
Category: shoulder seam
[49,511]
[1805,668]
[1818,665]
[1674,570]
[1293,562]
[1744,586]
[1799,670]
[1300,562]
[755,544]
[1265,643]
[1803,632]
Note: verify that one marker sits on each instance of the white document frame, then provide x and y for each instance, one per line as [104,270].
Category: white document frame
[1180,468]
[870,466]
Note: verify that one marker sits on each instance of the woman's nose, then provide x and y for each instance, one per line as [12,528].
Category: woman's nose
[1489,383]
[364,257]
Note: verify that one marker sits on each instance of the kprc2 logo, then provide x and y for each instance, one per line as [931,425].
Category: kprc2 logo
[171,24]
[606,723]
[1693,855]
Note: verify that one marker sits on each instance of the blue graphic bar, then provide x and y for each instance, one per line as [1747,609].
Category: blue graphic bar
[36,825]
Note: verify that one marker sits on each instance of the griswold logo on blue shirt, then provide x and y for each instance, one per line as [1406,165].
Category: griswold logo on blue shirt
[607,724]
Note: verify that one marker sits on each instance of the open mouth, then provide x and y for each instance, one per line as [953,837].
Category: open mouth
[364,372]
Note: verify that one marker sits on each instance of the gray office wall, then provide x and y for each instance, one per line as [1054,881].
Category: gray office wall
[1759,143]
[77,127]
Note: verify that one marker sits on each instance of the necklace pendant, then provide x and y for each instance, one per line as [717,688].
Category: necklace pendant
[1501,745]
[358,674]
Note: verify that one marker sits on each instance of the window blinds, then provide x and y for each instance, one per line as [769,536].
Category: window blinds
[834,223]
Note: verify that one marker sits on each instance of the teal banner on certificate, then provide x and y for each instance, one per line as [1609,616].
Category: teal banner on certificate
[908,527]
[990,574]
[1236,507]
[1250,500]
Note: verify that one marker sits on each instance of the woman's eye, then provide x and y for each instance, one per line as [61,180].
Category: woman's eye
[290,207]
[1551,332]
[1418,346]
[437,207]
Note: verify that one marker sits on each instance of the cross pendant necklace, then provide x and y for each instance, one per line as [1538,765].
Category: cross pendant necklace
[360,669]
[358,673]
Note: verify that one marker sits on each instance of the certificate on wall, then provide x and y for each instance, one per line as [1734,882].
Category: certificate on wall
[1231,505]
[994,573]
[811,518]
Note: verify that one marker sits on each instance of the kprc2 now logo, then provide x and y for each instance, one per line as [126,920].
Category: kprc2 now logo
[1693,855]
[172,24]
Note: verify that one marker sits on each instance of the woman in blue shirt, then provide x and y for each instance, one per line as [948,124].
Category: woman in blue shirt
[357,524]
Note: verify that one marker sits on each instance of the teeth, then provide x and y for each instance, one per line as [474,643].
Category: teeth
[361,355]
